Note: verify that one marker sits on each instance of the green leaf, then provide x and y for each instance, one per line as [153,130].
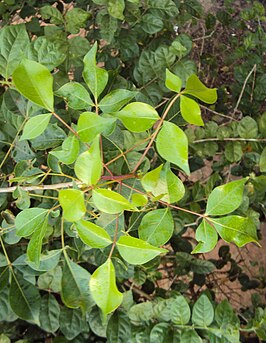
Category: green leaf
[233,151]
[76,18]
[90,125]
[49,313]
[119,327]
[88,166]
[35,126]
[177,151]
[35,82]
[137,251]
[27,220]
[173,82]
[13,44]
[72,202]
[50,53]
[116,8]
[110,202]
[226,198]
[76,95]
[48,261]
[93,235]
[151,24]
[164,183]
[103,288]
[161,333]
[247,128]
[75,286]
[190,336]
[202,313]
[224,314]
[263,161]
[190,111]
[196,88]
[69,152]
[137,116]
[180,310]
[24,299]
[236,229]
[72,323]
[95,77]
[206,236]
[52,13]
[157,227]
[51,280]
[34,248]
[115,100]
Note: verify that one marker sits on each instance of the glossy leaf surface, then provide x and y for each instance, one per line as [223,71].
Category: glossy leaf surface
[137,116]
[35,82]
[110,202]
[206,236]
[137,251]
[103,288]
[88,166]
[196,88]
[93,235]
[35,126]
[72,202]
[226,198]
[190,111]
[177,151]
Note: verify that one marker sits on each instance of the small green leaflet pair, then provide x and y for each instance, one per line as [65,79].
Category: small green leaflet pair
[233,228]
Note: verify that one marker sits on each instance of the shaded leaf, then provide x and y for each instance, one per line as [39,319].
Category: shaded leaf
[202,313]
[76,95]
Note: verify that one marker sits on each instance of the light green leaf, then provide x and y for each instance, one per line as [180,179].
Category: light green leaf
[110,202]
[196,88]
[90,125]
[206,236]
[35,126]
[236,229]
[180,311]
[95,77]
[190,336]
[137,116]
[14,41]
[103,288]
[190,111]
[35,82]
[27,220]
[202,313]
[177,151]
[93,235]
[69,152]
[72,202]
[157,227]
[139,200]
[226,198]
[34,248]
[115,100]
[173,82]
[88,166]
[49,314]
[263,161]
[116,8]
[75,286]
[24,299]
[137,251]
[76,95]
[164,183]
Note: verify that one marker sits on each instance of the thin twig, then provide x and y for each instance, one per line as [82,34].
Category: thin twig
[231,139]
[243,88]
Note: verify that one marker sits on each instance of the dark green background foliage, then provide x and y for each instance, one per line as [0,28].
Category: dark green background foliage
[112,256]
